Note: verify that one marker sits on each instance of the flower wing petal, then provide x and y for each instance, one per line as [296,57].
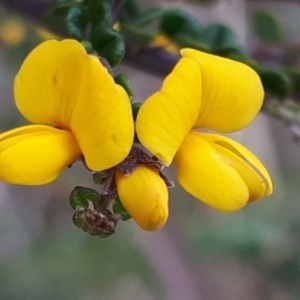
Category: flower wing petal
[204,174]
[232,92]
[167,116]
[145,196]
[245,163]
[36,154]
[60,83]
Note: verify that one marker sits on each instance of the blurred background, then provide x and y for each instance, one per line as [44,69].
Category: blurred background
[200,253]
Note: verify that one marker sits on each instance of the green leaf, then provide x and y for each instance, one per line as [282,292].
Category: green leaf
[60,6]
[294,76]
[276,82]
[184,41]
[141,36]
[135,109]
[99,12]
[100,177]
[132,8]
[218,36]
[109,44]
[118,208]
[148,16]
[234,53]
[267,28]
[87,46]
[77,21]
[177,21]
[124,81]
[81,195]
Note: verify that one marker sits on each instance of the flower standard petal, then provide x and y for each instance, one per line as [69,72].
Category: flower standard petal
[48,84]
[204,174]
[245,163]
[232,92]
[144,195]
[36,154]
[167,116]
[60,83]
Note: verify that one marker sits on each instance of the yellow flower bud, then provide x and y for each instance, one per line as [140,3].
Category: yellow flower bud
[144,195]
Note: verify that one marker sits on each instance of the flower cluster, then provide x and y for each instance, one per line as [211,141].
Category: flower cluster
[79,113]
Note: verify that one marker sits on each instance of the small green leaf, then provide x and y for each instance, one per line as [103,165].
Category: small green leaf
[60,6]
[81,195]
[218,36]
[132,8]
[135,109]
[177,21]
[118,208]
[267,28]
[294,76]
[99,12]
[234,53]
[276,82]
[185,41]
[87,46]
[77,21]
[109,44]
[147,16]
[124,81]
[100,177]
[141,36]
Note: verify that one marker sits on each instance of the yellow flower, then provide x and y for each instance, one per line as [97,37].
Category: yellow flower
[144,195]
[206,91]
[12,31]
[60,85]
[162,41]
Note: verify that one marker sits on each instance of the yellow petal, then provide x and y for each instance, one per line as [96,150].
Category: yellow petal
[36,154]
[167,116]
[232,92]
[60,83]
[204,174]
[145,196]
[245,163]
[162,41]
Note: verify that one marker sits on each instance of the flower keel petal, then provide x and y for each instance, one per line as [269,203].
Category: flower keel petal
[203,174]
[245,163]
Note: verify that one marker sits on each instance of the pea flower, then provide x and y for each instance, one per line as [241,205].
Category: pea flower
[77,110]
[207,92]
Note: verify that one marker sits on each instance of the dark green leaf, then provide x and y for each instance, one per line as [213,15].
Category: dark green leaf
[135,109]
[276,82]
[177,21]
[294,76]
[267,28]
[219,36]
[184,41]
[141,36]
[148,16]
[77,21]
[60,6]
[118,208]
[234,53]
[99,12]
[132,8]
[124,81]
[109,44]
[81,195]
